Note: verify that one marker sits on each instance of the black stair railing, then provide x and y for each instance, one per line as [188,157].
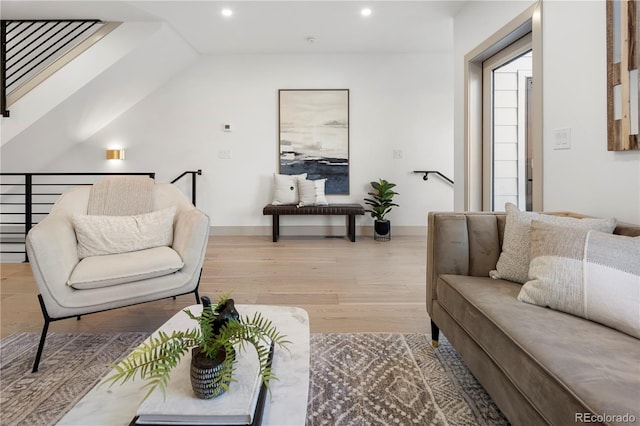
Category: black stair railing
[193,174]
[435,172]
[26,198]
[29,46]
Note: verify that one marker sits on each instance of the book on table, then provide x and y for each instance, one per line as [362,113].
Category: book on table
[179,405]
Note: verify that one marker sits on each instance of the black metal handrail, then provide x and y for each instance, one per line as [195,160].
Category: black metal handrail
[3,73]
[435,172]
[36,198]
[193,182]
[28,46]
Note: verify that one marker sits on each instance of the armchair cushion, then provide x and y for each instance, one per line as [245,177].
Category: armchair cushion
[101,235]
[114,269]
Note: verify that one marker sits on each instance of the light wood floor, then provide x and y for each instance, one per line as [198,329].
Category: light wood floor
[367,286]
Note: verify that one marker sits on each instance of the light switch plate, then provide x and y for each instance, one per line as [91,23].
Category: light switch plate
[397,154]
[225,154]
[562,139]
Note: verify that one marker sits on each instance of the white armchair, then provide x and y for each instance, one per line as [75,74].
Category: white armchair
[52,248]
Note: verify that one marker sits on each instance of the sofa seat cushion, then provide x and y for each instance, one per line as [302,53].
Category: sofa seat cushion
[586,366]
[113,269]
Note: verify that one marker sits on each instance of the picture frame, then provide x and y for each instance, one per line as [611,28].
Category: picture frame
[623,57]
[313,135]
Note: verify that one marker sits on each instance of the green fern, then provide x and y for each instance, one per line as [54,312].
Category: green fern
[153,360]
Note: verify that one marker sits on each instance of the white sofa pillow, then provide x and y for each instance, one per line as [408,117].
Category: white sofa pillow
[513,263]
[100,235]
[586,273]
[124,268]
[285,189]
[311,192]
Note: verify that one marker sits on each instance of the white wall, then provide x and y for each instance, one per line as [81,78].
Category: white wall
[587,178]
[397,101]
[77,107]
[76,74]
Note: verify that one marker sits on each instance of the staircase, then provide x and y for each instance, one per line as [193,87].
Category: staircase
[32,50]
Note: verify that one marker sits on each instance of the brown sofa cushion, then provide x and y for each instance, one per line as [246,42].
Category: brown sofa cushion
[578,367]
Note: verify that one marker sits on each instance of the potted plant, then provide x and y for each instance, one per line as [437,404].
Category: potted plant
[212,343]
[381,204]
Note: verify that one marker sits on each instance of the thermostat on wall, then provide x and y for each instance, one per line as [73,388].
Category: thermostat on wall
[226,127]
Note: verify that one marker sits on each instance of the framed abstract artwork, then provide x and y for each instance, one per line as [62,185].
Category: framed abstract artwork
[623,57]
[313,133]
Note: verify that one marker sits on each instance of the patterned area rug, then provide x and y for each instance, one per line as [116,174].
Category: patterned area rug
[356,379]
[71,365]
[393,379]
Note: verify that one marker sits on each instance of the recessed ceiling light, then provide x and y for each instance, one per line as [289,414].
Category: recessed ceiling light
[227,12]
[365,12]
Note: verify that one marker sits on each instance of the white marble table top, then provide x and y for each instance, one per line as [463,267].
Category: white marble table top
[117,405]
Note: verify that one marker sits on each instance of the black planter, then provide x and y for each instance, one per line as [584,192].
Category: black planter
[382,230]
[205,373]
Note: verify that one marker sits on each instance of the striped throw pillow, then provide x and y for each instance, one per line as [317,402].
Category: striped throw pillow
[586,273]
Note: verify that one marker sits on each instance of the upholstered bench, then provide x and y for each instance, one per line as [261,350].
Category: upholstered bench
[348,210]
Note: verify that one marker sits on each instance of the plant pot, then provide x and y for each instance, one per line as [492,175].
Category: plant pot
[382,230]
[206,373]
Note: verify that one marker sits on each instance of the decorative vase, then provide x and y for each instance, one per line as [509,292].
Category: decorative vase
[205,373]
[382,230]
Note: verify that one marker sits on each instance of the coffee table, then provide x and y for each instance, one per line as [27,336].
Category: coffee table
[117,405]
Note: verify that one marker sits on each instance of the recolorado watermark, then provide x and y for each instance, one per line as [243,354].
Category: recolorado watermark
[604,418]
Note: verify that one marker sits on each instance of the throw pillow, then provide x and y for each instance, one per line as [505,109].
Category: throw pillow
[285,190]
[586,273]
[99,235]
[513,263]
[312,192]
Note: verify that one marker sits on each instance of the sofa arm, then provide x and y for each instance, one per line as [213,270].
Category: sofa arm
[53,254]
[190,237]
[461,244]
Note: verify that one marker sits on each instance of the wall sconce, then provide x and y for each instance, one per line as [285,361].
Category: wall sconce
[115,154]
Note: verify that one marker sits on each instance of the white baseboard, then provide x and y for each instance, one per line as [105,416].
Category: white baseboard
[313,230]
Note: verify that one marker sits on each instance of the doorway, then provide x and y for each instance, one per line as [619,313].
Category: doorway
[503,159]
[506,148]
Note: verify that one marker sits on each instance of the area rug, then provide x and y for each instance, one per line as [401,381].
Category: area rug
[356,379]
[393,379]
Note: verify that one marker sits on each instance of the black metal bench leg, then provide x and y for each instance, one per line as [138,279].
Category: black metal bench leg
[352,228]
[435,334]
[276,228]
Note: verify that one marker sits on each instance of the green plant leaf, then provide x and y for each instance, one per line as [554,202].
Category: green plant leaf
[154,359]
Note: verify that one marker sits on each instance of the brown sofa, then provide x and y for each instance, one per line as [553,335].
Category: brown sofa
[540,366]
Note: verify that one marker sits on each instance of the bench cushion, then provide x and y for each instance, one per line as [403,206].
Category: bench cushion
[114,269]
[331,209]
